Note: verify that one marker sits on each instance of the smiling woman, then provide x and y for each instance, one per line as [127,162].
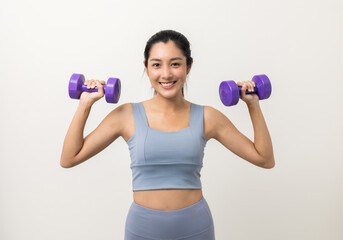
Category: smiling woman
[182,53]
[168,201]
[166,136]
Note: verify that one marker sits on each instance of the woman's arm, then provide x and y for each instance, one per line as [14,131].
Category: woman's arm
[73,140]
[77,150]
[262,140]
[259,152]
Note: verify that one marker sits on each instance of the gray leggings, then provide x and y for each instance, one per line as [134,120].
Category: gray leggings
[192,223]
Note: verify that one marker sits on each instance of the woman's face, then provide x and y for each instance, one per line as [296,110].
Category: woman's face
[167,64]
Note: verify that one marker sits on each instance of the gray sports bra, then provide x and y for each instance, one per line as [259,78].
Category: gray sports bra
[167,160]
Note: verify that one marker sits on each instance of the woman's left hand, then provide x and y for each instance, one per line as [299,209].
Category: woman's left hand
[248,98]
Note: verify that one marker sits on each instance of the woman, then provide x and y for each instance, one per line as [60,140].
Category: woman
[166,136]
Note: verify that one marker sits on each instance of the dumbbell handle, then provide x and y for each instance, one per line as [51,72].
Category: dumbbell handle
[85,89]
[247,92]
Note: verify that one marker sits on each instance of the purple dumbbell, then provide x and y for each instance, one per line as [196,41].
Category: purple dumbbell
[111,89]
[229,92]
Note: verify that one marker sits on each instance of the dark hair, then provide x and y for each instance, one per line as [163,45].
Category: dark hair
[164,36]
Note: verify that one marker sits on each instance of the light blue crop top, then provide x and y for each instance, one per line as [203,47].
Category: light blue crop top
[167,160]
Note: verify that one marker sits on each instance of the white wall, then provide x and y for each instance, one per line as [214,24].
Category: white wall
[297,43]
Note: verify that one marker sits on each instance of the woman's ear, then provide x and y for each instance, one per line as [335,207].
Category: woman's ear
[146,70]
[189,67]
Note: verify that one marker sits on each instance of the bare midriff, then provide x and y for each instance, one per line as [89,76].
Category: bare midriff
[167,199]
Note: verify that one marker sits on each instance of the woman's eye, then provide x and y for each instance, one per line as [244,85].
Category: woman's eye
[173,64]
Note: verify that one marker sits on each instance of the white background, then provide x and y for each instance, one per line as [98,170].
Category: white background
[297,43]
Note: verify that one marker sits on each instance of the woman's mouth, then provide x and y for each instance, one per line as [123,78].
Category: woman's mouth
[167,85]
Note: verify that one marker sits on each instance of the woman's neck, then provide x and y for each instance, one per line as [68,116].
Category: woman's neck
[169,104]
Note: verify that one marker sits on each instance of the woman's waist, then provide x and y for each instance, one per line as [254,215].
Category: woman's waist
[167,199]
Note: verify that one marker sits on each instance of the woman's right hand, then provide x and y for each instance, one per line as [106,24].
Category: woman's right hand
[92,97]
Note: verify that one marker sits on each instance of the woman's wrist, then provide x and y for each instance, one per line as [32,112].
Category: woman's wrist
[253,104]
[86,104]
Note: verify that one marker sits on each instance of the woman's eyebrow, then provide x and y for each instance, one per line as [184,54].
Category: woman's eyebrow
[156,59]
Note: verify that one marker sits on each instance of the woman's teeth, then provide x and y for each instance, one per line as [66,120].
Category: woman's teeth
[168,84]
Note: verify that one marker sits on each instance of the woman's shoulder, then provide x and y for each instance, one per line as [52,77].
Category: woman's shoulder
[214,121]
[122,112]
[213,116]
[124,107]
[208,109]
[211,112]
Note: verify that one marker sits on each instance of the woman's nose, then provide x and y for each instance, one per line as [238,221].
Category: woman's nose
[166,72]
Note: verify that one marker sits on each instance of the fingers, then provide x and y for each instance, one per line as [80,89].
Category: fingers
[90,83]
[247,85]
[94,83]
[100,87]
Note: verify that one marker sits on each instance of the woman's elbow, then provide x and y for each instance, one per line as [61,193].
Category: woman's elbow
[268,164]
[65,164]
